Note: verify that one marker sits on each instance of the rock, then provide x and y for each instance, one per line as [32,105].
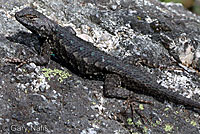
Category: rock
[143,34]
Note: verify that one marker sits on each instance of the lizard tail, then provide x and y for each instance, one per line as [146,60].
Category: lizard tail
[179,99]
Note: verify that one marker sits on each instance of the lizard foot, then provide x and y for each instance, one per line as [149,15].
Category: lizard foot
[113,89]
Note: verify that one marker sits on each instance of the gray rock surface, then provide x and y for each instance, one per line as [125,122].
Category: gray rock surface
[163,39]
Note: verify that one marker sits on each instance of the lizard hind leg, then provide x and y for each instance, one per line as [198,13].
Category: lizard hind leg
[113,89]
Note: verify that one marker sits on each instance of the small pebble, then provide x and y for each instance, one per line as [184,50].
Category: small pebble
[33,65]
[113,7]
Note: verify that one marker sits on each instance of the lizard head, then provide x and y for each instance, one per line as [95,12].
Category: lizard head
[36,22]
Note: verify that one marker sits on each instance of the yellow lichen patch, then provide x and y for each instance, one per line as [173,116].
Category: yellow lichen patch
[49,73]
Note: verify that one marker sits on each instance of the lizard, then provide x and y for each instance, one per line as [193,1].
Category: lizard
[87,60]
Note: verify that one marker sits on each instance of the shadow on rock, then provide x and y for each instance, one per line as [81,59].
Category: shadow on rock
[30,40]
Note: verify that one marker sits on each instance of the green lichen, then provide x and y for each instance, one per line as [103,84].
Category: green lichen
[138,123]
[187,120]
[168,127]
[130,121]
[145,129]
[141,107]
[166,109]
[94,103]
[139,18]
[193,123]
[48,73]
[158,122]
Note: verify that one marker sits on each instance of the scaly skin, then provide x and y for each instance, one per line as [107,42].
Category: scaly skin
[88,60]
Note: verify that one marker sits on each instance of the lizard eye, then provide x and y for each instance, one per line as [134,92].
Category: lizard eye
[31,17]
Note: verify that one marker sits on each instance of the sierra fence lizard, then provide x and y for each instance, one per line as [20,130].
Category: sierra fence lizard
[88,60]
